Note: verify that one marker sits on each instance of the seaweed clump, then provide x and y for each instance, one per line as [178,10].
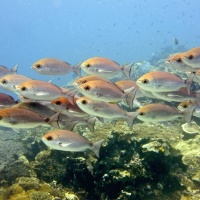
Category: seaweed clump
[127,169]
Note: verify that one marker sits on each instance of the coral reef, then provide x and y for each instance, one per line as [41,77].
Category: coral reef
[133,164]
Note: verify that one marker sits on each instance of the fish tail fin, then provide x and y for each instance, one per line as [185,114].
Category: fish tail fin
[53,120]
[130,95]
[70,95]
[77,69]
[187,114]
[96,147]
[130,117]
[189,82]
[91,123]
[126,69]
[14,69]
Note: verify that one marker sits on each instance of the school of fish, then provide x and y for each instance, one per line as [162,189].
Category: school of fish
[103,91]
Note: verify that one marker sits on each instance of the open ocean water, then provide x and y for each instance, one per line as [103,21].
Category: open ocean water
[151,161]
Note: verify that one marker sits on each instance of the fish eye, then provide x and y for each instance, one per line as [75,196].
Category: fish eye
[185,106]
[58,103]
[190,57]
[67,108]
[145,81]
[141,113]
[87,88]
[4,81]
[23,89]
[84,102]
[179,60]
[49,138]
[38,66]
[88,65]
[1,117]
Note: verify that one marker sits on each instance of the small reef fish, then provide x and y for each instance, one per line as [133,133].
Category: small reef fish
[22,118]
[105,67]
[108,92]
[158,112]
[69,141]
[62,121]
[39,108]
[189,104]
[192,58]
[5,71]
[52,66]
[6,100]
[105,110]
[178,96]
[11,81]
[160,81]
[175,61]
[63,105]
[40,90]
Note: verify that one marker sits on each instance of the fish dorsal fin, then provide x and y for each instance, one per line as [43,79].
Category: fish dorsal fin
[14,69]
[116,62]
[68,63]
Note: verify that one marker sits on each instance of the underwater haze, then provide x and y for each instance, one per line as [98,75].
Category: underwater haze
[100,136]
[73,31]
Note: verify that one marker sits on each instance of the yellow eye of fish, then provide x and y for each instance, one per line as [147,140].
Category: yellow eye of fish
[88,66]
[145,81]
[142,113]
[178,60]
[58,103]
[23,88]
[4,81]
[87,88]
[38,66]
[185,106]
[190,57]
[84,102]
[49,138]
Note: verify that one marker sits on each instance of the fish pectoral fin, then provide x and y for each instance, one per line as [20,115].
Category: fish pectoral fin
[65,144]
[102,70]
[41,93]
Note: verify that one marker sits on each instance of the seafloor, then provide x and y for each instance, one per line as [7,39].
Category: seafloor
[149,162]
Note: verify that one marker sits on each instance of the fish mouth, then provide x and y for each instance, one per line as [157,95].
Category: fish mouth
[167,62]
[138,81]
[76,85]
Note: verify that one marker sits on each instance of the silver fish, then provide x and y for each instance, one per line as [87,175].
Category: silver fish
[108,92]
[11,81]
[53,66]
[69,141]
[105,110]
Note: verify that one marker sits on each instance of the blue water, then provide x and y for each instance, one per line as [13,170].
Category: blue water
[122,30]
